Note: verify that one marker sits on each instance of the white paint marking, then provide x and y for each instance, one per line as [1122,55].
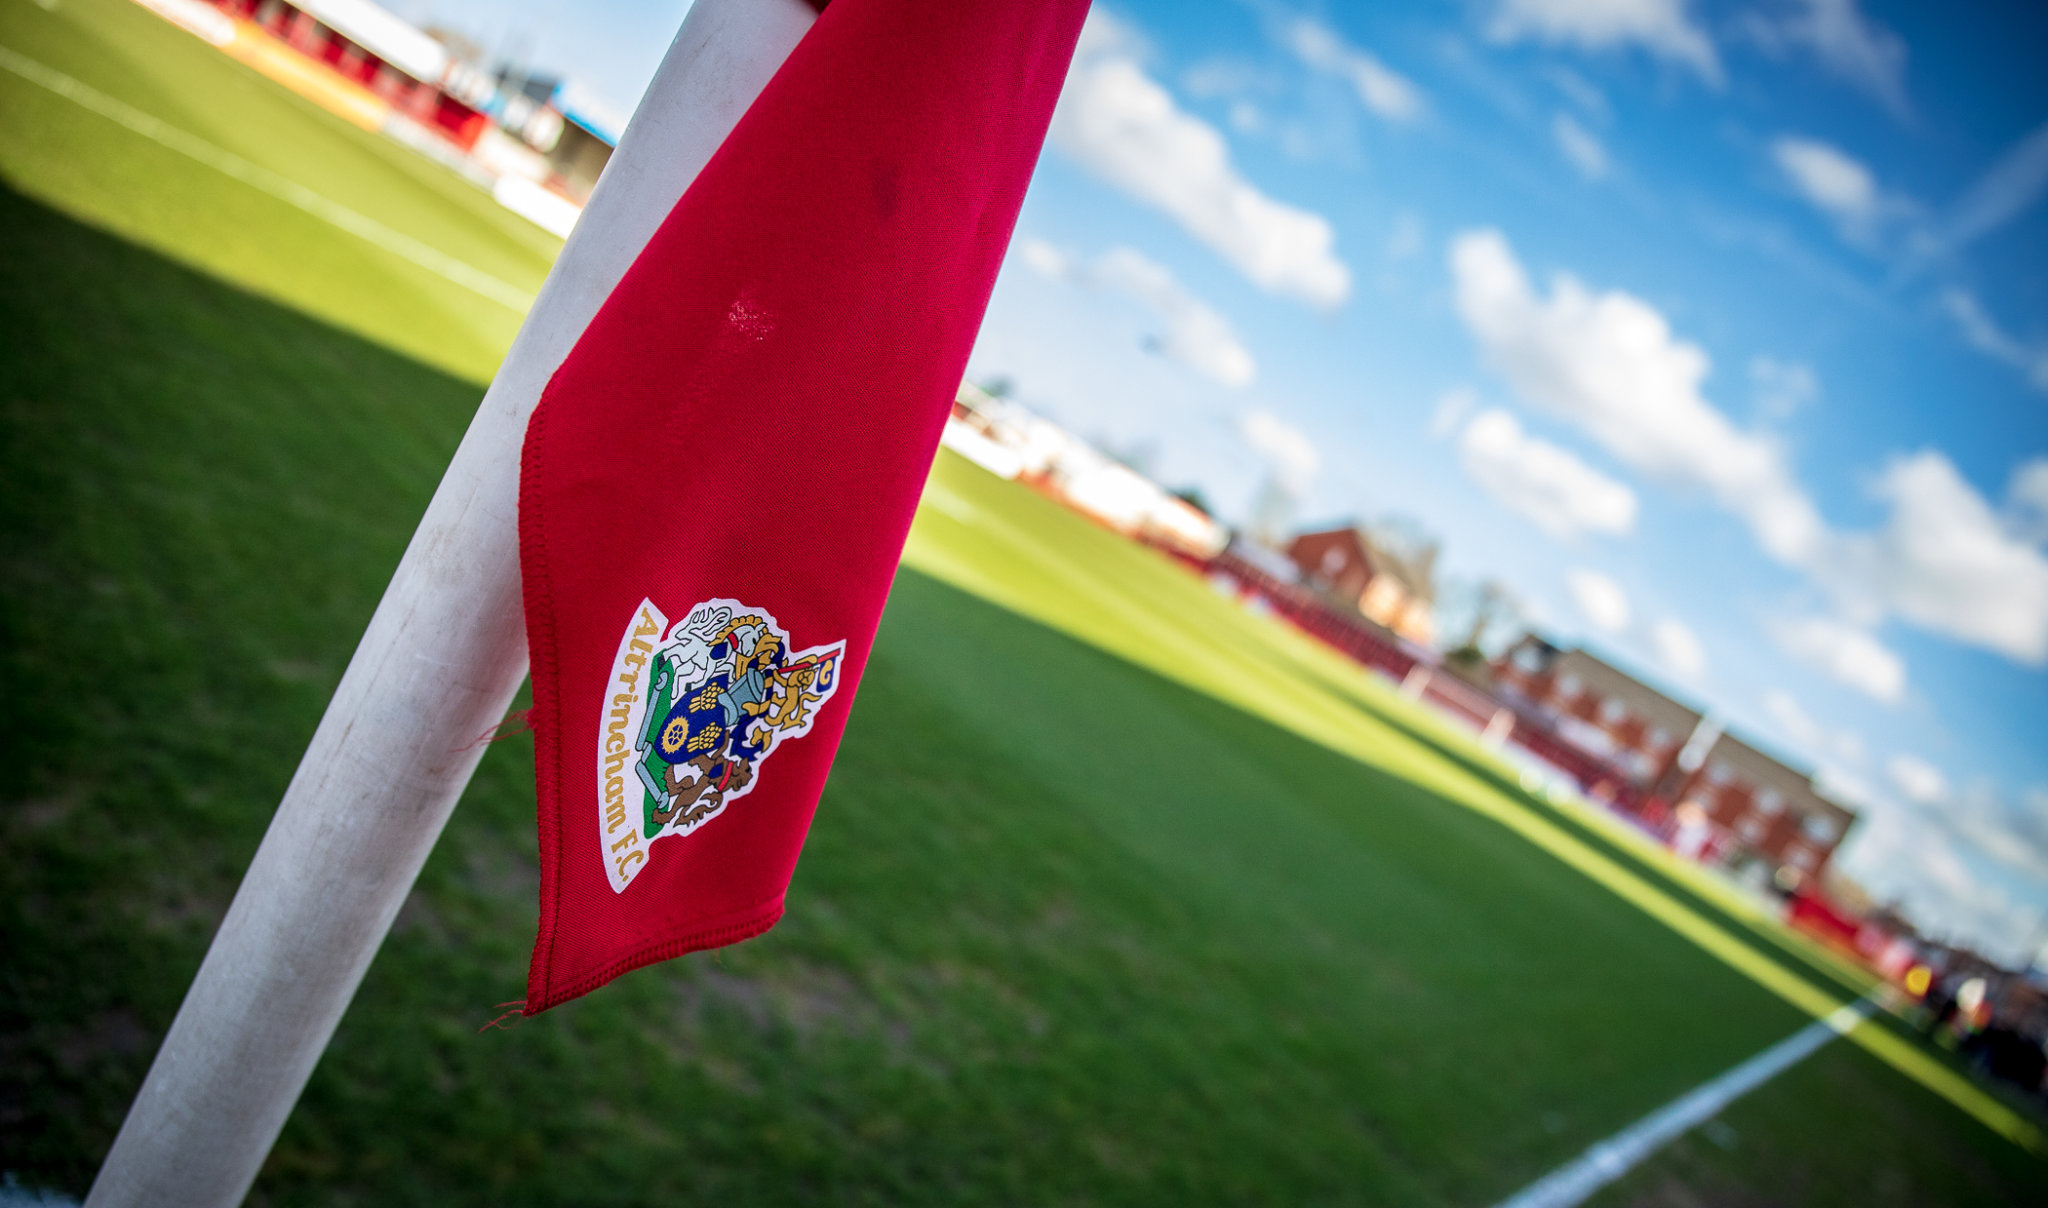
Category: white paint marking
[334,213]
[1617,1155]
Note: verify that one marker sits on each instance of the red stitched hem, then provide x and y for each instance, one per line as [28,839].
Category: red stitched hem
[748,925]
[546,712]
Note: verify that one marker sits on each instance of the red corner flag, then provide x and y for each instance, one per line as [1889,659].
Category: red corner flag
[717,483]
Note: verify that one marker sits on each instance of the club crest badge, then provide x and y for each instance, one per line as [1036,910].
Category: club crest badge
[692,714]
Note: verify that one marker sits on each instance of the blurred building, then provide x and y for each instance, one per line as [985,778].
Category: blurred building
[1391,588]
[1600,708]
[1763,810]
[369,46]
[557,118]
[1713,795]
[538,142]
[1011,441]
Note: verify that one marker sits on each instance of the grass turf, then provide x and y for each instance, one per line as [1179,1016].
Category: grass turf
[86,165]
[1116,894]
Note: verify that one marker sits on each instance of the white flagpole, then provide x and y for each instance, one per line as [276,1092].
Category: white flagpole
[435,672]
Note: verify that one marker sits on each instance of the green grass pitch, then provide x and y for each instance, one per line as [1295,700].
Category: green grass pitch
[1118,893]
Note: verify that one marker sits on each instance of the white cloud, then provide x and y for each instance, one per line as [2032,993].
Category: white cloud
[1124,126]
[1611,364]
[2027,501]
[1552,488]
[1678,648]
[1911,856]
[1782,388]
[2010,188]
[1855,48]
[1194,334]
[1581,146]
[1661,27]
[2013,833]
[1845,653]
[1787,714]
[1920,852]
[1947,562]
[1227,76]
[1450,411]
[1046,259]
[1833,182]
[1835,750]
[1581,92]
[1981,332]
[1920,781]
[1190,331]
[1599,599]
[1380,88]
[1286,448]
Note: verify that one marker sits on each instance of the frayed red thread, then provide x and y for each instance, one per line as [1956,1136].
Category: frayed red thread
[518,721]
[517,1013]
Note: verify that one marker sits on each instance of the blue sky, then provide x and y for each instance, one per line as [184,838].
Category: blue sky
[1718,332]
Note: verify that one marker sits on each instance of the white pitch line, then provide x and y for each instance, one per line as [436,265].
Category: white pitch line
[332,212]
[1607,1161]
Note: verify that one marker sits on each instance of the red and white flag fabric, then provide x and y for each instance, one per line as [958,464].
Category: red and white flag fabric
[717,483]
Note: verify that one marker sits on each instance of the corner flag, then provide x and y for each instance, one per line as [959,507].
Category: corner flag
[717,483]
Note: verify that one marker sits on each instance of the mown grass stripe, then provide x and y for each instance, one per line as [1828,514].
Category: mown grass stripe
[292,193]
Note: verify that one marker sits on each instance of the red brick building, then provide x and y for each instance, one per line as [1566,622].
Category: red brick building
[1665,755]
[1765,809]
[1601,709]
[1396,592]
